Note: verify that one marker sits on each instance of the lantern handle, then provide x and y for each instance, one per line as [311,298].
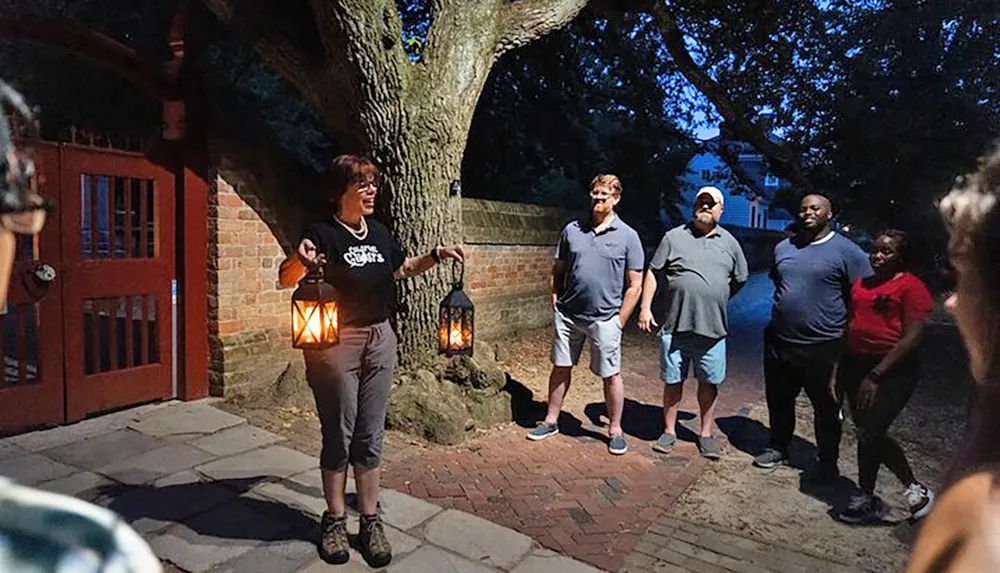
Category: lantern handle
[314,273]
[460,281]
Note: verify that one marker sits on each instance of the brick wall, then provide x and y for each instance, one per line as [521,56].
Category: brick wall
[510,250]
[250,334]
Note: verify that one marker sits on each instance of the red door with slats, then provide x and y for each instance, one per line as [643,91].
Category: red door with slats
[104,328]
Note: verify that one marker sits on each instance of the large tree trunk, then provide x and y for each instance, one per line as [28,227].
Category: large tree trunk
[347,61]
[422,214]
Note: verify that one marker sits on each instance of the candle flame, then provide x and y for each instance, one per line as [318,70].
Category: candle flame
[455,339]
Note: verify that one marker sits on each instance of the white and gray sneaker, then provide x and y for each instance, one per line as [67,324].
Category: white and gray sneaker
[920,500]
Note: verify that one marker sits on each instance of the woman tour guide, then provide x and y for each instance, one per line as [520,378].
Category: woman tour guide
[351,380]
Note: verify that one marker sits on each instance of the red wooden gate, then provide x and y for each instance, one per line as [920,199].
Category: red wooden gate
[100,337]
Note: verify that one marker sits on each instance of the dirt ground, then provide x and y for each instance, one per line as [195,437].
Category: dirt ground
[780,508]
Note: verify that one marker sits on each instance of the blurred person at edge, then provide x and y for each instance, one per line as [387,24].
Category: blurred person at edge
[962,533]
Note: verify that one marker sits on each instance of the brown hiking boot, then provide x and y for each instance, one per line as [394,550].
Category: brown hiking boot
[333,544]
[374,546]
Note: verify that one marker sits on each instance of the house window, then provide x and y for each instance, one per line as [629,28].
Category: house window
[770,181]
[753,215]
[706,174]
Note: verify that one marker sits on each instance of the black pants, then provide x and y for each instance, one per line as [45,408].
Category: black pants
[875,447]
[790,368]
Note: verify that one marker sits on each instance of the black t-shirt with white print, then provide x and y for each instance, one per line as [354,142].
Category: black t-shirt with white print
[361,270]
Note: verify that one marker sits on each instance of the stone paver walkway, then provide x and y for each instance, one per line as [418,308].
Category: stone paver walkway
[211,493]
[676,546]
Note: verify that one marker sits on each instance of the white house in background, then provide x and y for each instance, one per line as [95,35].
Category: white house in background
[749,188]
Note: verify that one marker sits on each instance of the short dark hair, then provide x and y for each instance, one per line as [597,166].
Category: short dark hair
[823,196]
[344,170]
[902,242]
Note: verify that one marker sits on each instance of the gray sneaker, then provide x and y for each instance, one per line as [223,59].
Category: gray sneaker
[618,445]
[709,448]
[542,431]
[770,458]
[665,444]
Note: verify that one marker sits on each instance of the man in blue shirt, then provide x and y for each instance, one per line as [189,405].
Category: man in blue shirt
[813,272]
[596,281]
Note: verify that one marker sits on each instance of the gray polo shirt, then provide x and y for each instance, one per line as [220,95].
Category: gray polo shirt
[698,271]
[595,280]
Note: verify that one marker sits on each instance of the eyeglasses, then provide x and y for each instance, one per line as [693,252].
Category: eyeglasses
[363,183]
[602,196]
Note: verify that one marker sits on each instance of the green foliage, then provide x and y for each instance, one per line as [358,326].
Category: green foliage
[887,101]
[585,100]
[70,91]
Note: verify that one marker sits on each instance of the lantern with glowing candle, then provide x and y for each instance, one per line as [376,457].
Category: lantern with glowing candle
[456,328]
[315,313]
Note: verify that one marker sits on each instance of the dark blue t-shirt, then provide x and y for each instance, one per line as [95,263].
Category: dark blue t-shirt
[812,285]
[597,265]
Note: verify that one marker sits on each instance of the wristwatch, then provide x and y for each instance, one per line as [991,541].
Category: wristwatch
[435,255]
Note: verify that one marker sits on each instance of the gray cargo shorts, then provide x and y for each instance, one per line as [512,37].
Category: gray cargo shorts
[605,338]
[351,383]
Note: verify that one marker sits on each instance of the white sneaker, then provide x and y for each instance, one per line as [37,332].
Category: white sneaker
[920,500]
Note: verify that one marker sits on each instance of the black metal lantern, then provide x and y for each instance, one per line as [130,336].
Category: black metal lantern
[456,330]
[315,313]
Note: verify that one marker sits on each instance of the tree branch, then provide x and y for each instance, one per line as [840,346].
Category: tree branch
[286,59]
[527,20]
[737,117]
[96,47]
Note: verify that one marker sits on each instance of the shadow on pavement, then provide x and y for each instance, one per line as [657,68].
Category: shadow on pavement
[641,421]
[211,508]
[527,412]
[752,437]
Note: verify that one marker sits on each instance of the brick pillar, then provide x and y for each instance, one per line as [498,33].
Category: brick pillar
[249,316]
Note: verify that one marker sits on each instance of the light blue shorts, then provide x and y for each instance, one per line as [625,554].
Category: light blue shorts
[679,351]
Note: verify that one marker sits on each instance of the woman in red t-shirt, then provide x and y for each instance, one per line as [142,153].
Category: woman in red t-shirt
[878,372]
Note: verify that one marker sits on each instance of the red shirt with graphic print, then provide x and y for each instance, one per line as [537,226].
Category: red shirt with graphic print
[878,313]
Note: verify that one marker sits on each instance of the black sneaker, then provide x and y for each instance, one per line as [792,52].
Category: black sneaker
[334,547]
[863,509]
[770,458]
[375,547]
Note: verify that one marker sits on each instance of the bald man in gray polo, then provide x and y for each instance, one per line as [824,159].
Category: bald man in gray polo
[703,266]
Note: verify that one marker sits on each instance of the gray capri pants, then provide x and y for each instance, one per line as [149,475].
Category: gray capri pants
[351,383]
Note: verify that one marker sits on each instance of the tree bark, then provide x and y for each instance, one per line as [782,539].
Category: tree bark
[413,119]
